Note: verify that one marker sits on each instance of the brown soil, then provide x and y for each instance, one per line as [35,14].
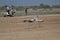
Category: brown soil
[13,28]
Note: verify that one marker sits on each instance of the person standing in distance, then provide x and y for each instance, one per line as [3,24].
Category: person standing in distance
[26,11]
[8,9]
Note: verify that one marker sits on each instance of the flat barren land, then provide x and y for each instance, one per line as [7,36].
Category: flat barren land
[13,28]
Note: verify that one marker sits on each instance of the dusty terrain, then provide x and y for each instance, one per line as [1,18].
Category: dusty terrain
[13,28]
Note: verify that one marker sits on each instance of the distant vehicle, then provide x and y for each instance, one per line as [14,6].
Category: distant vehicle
[11,14]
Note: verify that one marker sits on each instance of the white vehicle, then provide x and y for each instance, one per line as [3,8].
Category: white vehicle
[34,20]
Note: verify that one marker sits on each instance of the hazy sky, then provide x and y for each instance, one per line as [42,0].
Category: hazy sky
[28,2]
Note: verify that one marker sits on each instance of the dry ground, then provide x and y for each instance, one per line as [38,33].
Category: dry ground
[13,28]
